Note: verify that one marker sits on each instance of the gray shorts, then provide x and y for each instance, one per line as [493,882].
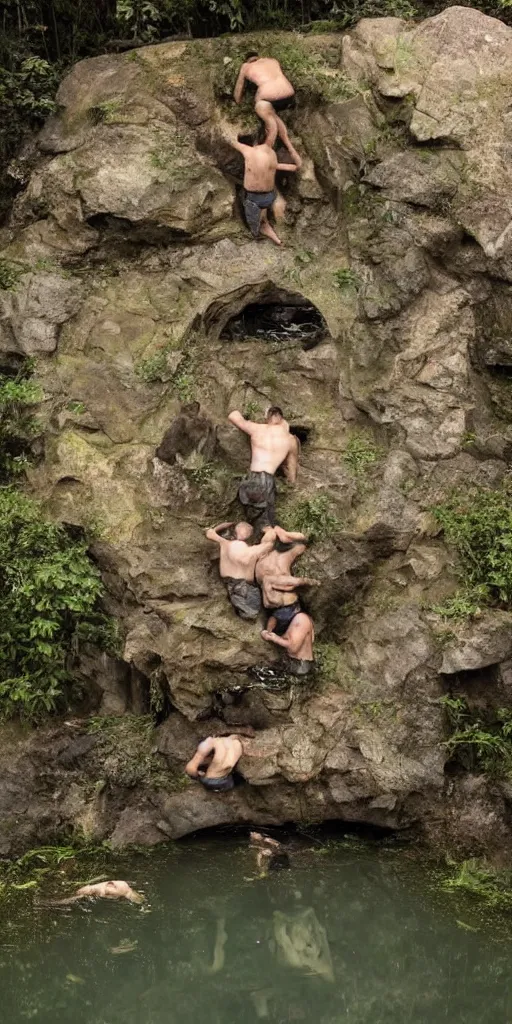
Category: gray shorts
[245,597]
[254,203]
[218,785]
[298,666]
[257,493]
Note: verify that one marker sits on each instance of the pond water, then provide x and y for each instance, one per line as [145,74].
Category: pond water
[351,933]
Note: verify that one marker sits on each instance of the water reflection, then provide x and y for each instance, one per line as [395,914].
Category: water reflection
[350,937]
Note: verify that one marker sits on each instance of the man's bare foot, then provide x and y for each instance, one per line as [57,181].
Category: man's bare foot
[267,229]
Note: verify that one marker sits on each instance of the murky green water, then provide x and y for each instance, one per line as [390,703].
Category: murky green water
[355,935]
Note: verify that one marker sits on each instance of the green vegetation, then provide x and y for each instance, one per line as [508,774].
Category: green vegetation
[49,595]
[345,278]
[478,523]
[312,516]
[153,368]
[477,879]
[10,273]
[18,427]
[361,453]
[327,657]
[105,112]
[127,754]
[479,742]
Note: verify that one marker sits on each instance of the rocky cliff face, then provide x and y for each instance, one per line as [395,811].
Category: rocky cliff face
[399,232]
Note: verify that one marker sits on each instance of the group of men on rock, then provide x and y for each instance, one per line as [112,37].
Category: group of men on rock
[267,564]
[260,574]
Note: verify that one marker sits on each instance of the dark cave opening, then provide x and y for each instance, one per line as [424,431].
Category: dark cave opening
[500,369]
[302,433]
[293,320]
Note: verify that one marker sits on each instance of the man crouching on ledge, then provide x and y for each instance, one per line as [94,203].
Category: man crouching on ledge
[214,760]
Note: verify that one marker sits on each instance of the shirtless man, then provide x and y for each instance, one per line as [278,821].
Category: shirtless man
[272,445]
[260,193]
[214,760]
[237,564]
[279,587]
[297,642]
[273,90]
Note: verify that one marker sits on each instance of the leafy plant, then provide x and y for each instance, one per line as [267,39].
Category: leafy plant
[346,278]
[312,516]
[152,369]
[478,523]
[18,396]
[10,274]
[106,111]
[49,591]
[478,745]
[361,453]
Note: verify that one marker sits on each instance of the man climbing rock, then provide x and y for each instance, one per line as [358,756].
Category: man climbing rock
[214,760]
[237,564]
[279,587]
[260,193]
[273,90]
[297,642]
[272,446]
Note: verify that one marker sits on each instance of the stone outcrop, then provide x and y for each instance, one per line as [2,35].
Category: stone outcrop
[399,232]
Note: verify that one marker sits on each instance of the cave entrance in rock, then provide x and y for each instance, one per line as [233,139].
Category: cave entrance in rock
[276,315]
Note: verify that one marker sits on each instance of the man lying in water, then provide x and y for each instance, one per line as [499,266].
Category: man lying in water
[272,446]
[111,890]
[260,193]
[237,563]
[279,587]
[297,642]
[214,760]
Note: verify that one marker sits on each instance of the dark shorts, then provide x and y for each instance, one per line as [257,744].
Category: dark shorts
[298,666]
[284,616]
[287,103]
[254,203]
[218,785]
[257,493]
[245,597]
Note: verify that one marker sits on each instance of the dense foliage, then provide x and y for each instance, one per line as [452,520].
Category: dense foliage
[480,741]
[18,426]
[49,598]
[479,525]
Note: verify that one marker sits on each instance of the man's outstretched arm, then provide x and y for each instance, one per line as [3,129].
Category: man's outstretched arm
[240,83]
[240,421]
[214,531]
[286,536]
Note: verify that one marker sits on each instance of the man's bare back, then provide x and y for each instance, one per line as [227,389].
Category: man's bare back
[272,444]
[238,558]
[220,754]
[260,166]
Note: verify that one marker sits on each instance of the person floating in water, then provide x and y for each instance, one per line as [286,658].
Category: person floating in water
[237,563]
[279,587]
[273,90]
[214,760]
[272,445]
[111,890]
[260,193]
[297,641]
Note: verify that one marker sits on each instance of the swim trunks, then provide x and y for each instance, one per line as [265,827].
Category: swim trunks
[298,666]
[218,785]
[254,203]
[257,493]
[286,103]
[245,597]
[284,616]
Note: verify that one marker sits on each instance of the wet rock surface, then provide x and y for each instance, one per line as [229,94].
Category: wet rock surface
[144,295]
